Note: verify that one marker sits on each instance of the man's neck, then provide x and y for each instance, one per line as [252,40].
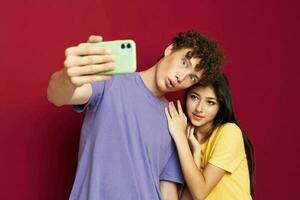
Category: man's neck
[149,78]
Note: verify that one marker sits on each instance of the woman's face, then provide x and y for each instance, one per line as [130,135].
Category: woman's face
[202,107]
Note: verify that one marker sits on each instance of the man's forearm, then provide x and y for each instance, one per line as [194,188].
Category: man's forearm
[60,91]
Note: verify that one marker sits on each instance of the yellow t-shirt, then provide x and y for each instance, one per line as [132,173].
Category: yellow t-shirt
[225,149]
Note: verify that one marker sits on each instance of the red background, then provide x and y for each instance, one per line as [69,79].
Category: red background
[39,142]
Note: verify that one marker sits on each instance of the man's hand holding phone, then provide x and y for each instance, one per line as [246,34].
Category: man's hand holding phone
[84,63]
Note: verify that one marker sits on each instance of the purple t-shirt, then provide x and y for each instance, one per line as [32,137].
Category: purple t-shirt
[125,147]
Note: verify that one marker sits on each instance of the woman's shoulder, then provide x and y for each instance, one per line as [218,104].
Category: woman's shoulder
[230,126]
[229,130]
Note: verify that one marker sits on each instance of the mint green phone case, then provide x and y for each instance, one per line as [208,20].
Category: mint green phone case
[124,52]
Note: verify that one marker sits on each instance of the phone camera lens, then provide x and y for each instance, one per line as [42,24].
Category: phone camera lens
[123,46]
[128,45]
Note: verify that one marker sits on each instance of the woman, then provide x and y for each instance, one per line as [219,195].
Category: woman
[216,157]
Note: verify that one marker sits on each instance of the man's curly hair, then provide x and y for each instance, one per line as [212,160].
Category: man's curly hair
[205,49]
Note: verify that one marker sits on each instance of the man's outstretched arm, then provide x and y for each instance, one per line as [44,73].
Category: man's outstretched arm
[72,84]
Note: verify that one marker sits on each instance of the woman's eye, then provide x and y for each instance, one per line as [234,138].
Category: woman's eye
[193,97]
[211,103]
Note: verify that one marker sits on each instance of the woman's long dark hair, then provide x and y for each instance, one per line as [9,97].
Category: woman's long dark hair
[226,115]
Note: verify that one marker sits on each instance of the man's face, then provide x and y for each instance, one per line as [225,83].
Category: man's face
[176,72]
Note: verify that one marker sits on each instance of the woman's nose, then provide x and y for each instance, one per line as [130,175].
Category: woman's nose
[199,107]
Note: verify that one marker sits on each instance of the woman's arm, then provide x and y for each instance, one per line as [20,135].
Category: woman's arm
[199,183]
[186,195]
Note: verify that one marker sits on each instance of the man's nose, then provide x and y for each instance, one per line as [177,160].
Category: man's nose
[183,75]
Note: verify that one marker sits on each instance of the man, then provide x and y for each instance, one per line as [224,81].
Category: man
[126,151]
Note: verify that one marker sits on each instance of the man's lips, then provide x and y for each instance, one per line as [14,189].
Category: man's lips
[170,83]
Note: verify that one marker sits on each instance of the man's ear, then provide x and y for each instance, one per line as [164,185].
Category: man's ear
[169,50]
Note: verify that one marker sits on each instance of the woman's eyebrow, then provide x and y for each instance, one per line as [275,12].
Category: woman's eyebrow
[211,98]
[195,93]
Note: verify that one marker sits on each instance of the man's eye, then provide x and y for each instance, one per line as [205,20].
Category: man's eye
[184,62]
[193,78]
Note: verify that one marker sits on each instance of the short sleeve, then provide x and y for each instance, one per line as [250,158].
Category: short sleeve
[172,170]
[97,94]
[229,148]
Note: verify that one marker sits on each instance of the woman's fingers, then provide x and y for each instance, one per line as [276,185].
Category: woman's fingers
[185,118]
[167,114]
[191,132]
[188,131]
[180,111]
[172,110]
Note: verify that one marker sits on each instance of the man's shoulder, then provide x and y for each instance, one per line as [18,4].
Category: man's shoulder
[125,76]
[122,78]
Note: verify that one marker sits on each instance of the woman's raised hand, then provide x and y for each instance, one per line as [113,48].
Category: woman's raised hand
[177,120]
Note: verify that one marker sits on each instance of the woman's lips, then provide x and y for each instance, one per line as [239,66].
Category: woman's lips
[197,117]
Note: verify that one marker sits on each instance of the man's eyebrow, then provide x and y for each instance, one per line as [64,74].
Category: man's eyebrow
[189,61]
[197,66]
[196,74]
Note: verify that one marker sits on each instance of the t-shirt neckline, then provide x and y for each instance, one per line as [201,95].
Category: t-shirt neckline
[148,92]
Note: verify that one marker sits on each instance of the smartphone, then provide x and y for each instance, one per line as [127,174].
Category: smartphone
[124,52]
